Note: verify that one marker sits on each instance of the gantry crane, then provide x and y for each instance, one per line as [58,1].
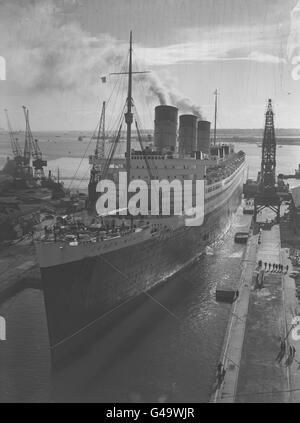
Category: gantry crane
[15,146]
[32,148]
[267,196]
[96,170]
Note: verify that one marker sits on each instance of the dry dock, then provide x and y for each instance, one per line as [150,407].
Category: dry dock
[18,269]
[260,318]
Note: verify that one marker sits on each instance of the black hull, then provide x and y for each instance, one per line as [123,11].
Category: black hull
[88,294]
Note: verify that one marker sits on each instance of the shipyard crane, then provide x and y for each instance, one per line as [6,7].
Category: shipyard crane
[99,153]
[27,147]
[267,196]
[100,145]
[32,148]
[15,146]
[268,162]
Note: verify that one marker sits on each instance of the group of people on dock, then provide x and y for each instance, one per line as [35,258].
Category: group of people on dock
[273,267]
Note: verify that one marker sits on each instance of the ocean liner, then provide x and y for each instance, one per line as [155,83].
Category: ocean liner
[96,272]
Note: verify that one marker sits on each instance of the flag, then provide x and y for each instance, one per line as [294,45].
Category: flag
[103,79]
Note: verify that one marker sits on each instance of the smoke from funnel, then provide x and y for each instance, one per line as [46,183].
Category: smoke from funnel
[163,89]
[157,88]
[185,105]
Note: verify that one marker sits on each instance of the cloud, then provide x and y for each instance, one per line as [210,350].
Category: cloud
[220,44]
[293,44]
[45,53]
[48,53]
[195,53]
[257,56]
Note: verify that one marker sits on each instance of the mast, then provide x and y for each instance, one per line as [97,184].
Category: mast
[27,146]
[216,110]
[128,114]
[99,151]
[103,131]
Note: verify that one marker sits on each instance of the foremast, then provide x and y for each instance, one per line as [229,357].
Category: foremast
[129,114]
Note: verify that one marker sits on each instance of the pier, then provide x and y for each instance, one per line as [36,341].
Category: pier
[259,320]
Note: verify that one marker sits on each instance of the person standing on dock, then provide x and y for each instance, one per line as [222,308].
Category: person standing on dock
[220,375]
[287,268]
[281,353]
[223,375]
[236,294]
[219,369]
[291,356]
[270,265]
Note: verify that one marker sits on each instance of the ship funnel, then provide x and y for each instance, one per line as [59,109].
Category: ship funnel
[203,136]
[187,134]
[165,127]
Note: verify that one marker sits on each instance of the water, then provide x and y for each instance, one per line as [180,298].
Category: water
[63,150]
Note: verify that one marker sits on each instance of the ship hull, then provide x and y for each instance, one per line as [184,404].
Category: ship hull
[84,296]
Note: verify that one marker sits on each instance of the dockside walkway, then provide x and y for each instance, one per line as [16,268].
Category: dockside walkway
[260,318]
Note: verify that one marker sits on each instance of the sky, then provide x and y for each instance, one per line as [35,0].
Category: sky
[56,52]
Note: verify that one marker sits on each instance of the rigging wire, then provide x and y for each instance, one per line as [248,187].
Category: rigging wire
[117,125]
[116,87]
[115,119]
[116,82]
[142,84]
[82,158]
[120,85]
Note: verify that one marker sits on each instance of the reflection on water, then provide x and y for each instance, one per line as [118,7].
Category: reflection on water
[155,353]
